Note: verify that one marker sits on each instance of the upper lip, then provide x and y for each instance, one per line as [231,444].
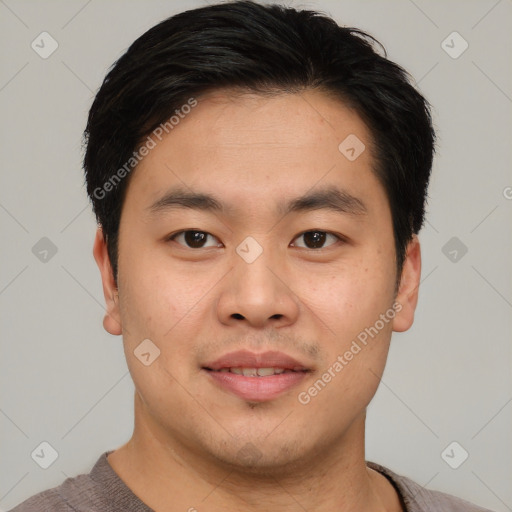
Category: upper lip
[247,359]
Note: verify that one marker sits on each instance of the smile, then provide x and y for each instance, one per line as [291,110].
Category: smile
[256,372]
[256,377]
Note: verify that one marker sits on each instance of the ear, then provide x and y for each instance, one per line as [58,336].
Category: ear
[112,319]
[407,296]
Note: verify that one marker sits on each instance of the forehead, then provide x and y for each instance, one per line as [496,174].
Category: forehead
[232,120]
[248,147]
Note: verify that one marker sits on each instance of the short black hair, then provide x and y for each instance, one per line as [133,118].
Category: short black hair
[264,49]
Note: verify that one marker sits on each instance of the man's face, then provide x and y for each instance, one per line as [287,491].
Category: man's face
[293,284]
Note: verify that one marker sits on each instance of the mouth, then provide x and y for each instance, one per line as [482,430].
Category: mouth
[256,372]
[256,377]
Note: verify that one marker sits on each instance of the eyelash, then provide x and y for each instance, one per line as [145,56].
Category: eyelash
[339,238]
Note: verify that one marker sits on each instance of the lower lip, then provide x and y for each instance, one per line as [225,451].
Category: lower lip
[257,389]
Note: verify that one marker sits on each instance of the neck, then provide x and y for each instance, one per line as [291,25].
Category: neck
[169,476]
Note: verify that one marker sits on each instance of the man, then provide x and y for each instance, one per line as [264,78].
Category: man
[259,177]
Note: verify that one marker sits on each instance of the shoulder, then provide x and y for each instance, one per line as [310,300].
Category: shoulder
[75,494]
[57,499]
[419,499]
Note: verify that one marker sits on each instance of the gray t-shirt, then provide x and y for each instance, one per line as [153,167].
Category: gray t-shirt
[102,490]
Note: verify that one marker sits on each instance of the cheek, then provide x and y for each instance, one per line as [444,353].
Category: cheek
[156,293]
[350,297]
[356,345]
[169,304]
[162,306]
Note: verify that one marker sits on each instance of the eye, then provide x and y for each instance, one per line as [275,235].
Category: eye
[316,239]
[194,239]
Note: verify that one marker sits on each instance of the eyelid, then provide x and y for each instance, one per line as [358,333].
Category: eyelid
[340,238]
[172,237]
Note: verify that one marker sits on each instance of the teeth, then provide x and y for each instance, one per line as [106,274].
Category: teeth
[263,372]
[255,372]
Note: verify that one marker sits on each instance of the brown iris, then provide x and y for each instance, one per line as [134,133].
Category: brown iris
[314,239]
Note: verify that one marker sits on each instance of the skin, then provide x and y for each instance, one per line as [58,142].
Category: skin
[196,304]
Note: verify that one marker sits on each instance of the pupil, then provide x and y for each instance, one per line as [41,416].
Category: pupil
[314,239]
[195,238]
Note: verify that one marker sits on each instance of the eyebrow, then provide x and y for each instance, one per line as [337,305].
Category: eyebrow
[181,198]
[329,198]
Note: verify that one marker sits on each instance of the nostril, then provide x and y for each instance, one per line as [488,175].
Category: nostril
[238,316]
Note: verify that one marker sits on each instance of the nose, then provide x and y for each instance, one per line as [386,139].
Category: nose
[257,294]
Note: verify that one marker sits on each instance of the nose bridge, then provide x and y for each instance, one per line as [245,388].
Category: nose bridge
[253,264]
[256,292]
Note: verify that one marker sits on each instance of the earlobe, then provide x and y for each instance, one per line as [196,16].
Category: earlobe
[407,296]
[112,319]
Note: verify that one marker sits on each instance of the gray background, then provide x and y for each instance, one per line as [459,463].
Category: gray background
[65,381]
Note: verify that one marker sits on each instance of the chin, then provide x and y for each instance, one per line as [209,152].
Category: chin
[265,459]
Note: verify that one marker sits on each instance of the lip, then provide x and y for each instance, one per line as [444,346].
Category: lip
[256,389]
[247,359]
